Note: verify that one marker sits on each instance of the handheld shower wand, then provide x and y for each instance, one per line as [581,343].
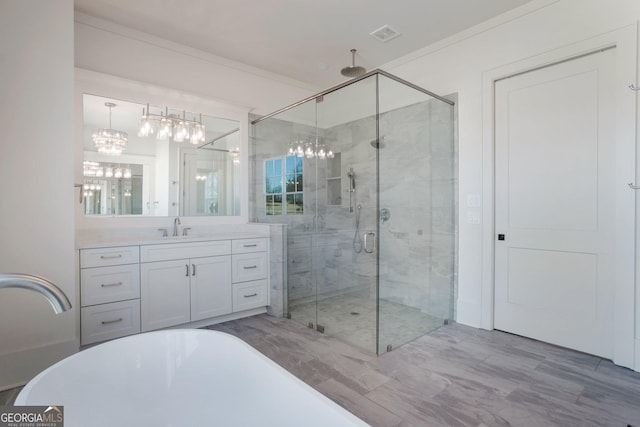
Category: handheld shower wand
[352,187]
[352,180]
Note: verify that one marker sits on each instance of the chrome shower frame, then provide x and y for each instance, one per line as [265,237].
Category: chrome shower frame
[350,82]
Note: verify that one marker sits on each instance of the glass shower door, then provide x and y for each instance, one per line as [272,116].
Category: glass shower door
[345,269]
[290,198]
[416,232]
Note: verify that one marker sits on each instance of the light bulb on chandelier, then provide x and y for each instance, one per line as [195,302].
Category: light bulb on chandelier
[310,150]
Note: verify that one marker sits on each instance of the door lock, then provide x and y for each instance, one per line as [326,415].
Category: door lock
[500,236]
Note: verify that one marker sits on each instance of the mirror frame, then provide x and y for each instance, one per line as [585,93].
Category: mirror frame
[95,83]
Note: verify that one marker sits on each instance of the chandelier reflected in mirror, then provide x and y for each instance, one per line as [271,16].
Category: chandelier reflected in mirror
[165,126]
[96,170]
[109,141]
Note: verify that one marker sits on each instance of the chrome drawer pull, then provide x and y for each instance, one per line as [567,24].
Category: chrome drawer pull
[106,322]
[110,256]
[250,246]
[106,285]
[250,267]
[252,295]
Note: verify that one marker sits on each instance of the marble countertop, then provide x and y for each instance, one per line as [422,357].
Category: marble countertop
[107,241]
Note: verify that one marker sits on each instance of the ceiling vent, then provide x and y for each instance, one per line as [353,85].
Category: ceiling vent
[384,34]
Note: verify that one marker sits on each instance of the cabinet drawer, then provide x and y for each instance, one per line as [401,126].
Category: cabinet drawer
[248,267]
[101,285]
[244,246]
[169,251]
[249,295]
[108,321]
[102,257]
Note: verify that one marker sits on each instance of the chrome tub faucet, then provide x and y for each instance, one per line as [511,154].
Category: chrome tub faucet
[51,292]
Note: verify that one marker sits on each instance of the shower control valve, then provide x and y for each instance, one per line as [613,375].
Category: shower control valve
[385,214]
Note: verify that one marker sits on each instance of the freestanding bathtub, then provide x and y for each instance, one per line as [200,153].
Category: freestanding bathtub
[180,378]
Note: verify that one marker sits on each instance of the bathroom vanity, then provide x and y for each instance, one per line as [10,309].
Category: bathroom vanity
[191,282]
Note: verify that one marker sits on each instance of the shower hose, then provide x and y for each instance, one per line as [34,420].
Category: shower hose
[357,240]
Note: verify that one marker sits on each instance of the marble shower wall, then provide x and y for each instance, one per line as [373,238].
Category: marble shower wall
[417,185]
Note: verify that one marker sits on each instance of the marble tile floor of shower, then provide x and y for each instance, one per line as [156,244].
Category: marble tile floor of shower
[453,376]
[352,317]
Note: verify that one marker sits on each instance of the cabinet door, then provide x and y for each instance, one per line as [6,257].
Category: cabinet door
[211,293]
[164,294]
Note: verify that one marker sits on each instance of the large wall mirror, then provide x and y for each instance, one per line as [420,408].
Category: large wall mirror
[156,161]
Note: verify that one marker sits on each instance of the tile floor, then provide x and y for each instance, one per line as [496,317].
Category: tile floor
[352,316]
[454,376]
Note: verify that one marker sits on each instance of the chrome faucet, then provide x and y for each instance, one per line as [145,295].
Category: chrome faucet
[51,292]
[176,223]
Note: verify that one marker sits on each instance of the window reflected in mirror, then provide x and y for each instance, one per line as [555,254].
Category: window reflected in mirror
[158,161]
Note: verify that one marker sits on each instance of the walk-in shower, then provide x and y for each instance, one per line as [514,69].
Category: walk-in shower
[363,176]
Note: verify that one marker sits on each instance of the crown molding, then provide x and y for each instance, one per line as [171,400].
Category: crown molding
[483,27]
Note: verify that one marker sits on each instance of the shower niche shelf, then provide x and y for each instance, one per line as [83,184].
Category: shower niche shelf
[334,180]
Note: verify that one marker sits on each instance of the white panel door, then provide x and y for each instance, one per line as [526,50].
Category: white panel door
[556,203]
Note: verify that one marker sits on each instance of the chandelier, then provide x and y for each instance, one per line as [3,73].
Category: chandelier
[166,126]
[109,141]
[95,170]
[310,150]
[89,188]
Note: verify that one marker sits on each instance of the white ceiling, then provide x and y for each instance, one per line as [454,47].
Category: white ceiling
[308,40]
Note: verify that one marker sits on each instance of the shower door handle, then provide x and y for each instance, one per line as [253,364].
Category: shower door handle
[369,237]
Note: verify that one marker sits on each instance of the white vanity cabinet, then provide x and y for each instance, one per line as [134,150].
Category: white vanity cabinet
[184,282]
[130,289]
[109,293]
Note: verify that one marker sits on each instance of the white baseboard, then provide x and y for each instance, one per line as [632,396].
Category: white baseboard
[17,368]
[469,313]
[220,319]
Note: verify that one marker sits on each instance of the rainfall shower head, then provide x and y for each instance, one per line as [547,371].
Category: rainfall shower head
[353,70]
